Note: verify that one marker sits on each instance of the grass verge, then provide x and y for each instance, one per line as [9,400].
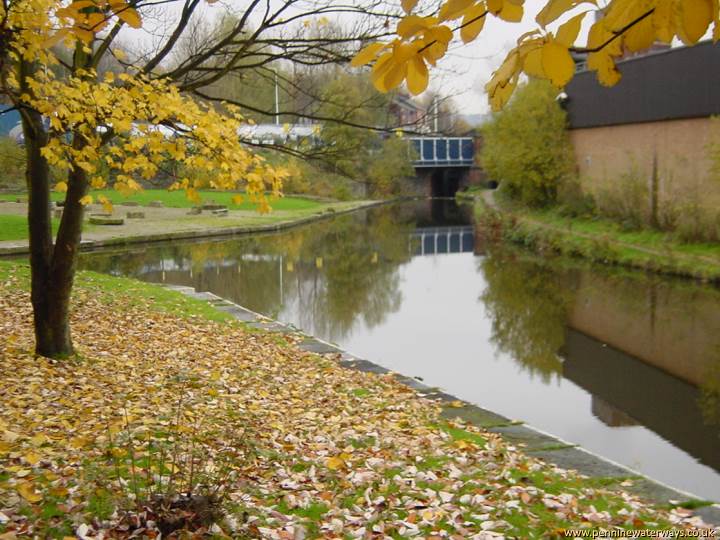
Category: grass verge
[16,227]
[178,199]
[600,240]
[120,291]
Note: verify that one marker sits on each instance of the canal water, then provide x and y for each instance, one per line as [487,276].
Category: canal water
[622,363]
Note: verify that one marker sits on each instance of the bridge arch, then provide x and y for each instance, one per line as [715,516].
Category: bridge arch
[444,165]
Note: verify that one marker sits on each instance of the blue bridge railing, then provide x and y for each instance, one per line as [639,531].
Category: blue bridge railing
[443,151]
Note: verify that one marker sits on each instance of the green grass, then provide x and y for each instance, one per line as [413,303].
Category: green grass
[178,199]
[656,240]
[125,291]
[604,241]
[16,227]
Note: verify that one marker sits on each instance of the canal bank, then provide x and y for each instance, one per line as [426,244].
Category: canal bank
[600,241]
[536,443]
[182,228]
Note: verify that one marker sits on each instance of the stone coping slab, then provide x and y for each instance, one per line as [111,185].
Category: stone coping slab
[531,440]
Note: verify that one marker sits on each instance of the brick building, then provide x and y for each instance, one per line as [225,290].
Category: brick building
[656,123]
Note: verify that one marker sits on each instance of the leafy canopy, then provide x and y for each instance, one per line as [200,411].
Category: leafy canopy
[526,146]
[623,26]
[124,126]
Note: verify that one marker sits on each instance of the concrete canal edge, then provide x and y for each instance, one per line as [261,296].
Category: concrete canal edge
[531,440]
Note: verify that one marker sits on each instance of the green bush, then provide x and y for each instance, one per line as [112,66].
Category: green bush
[12,164]
[625,200]
[526,147]
[390,168]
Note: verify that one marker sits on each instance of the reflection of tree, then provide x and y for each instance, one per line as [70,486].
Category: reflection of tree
[330,273]
[528,303]
[709,401]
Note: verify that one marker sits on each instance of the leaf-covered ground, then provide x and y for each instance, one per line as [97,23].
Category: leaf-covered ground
[293,446]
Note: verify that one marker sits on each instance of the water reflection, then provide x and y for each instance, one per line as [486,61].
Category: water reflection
[527,301]
[618,362]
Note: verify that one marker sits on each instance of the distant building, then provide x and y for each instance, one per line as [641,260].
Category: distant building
[404,112]
[654,124]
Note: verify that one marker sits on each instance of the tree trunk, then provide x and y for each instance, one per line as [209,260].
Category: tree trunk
[52,335]
[52,268]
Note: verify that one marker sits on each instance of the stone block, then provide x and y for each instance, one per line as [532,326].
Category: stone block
[135,215]
[213,206]
[105,219]
[156,204]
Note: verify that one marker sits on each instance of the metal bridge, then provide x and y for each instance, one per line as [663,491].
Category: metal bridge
[443,151]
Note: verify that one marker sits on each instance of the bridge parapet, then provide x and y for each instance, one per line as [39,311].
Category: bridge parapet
[443,151]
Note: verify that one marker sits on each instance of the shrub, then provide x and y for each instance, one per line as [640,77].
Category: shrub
[573,201]
[12,164]
[390,168]
[625,200]
[526,147]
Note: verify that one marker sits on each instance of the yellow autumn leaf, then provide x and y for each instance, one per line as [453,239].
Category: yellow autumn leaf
[555,9]
[56,38]
[511,12]
[696,16]
[335,463]
[532,63]
[395,75]
[78,442]
[473,22]
[494,6]
[130,16]
[87,199]
[33,458]
[408,5]
[106,204]
[417,75]
[83,34]
[379,70]
[604,66]
[39,439]
[640,36]
[193,195]
[557,63]
[61,187]
[27,492]
[568,31]
[367,54]
[412,24]
[502,94]
[452,9]
[237,199]
[662,19]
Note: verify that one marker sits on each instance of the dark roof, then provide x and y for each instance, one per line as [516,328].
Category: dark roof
[678,83]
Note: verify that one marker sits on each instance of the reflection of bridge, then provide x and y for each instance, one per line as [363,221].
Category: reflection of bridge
[443,151]
[432,240]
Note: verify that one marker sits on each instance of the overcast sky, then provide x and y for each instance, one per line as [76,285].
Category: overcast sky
[462,74]
[467,68]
